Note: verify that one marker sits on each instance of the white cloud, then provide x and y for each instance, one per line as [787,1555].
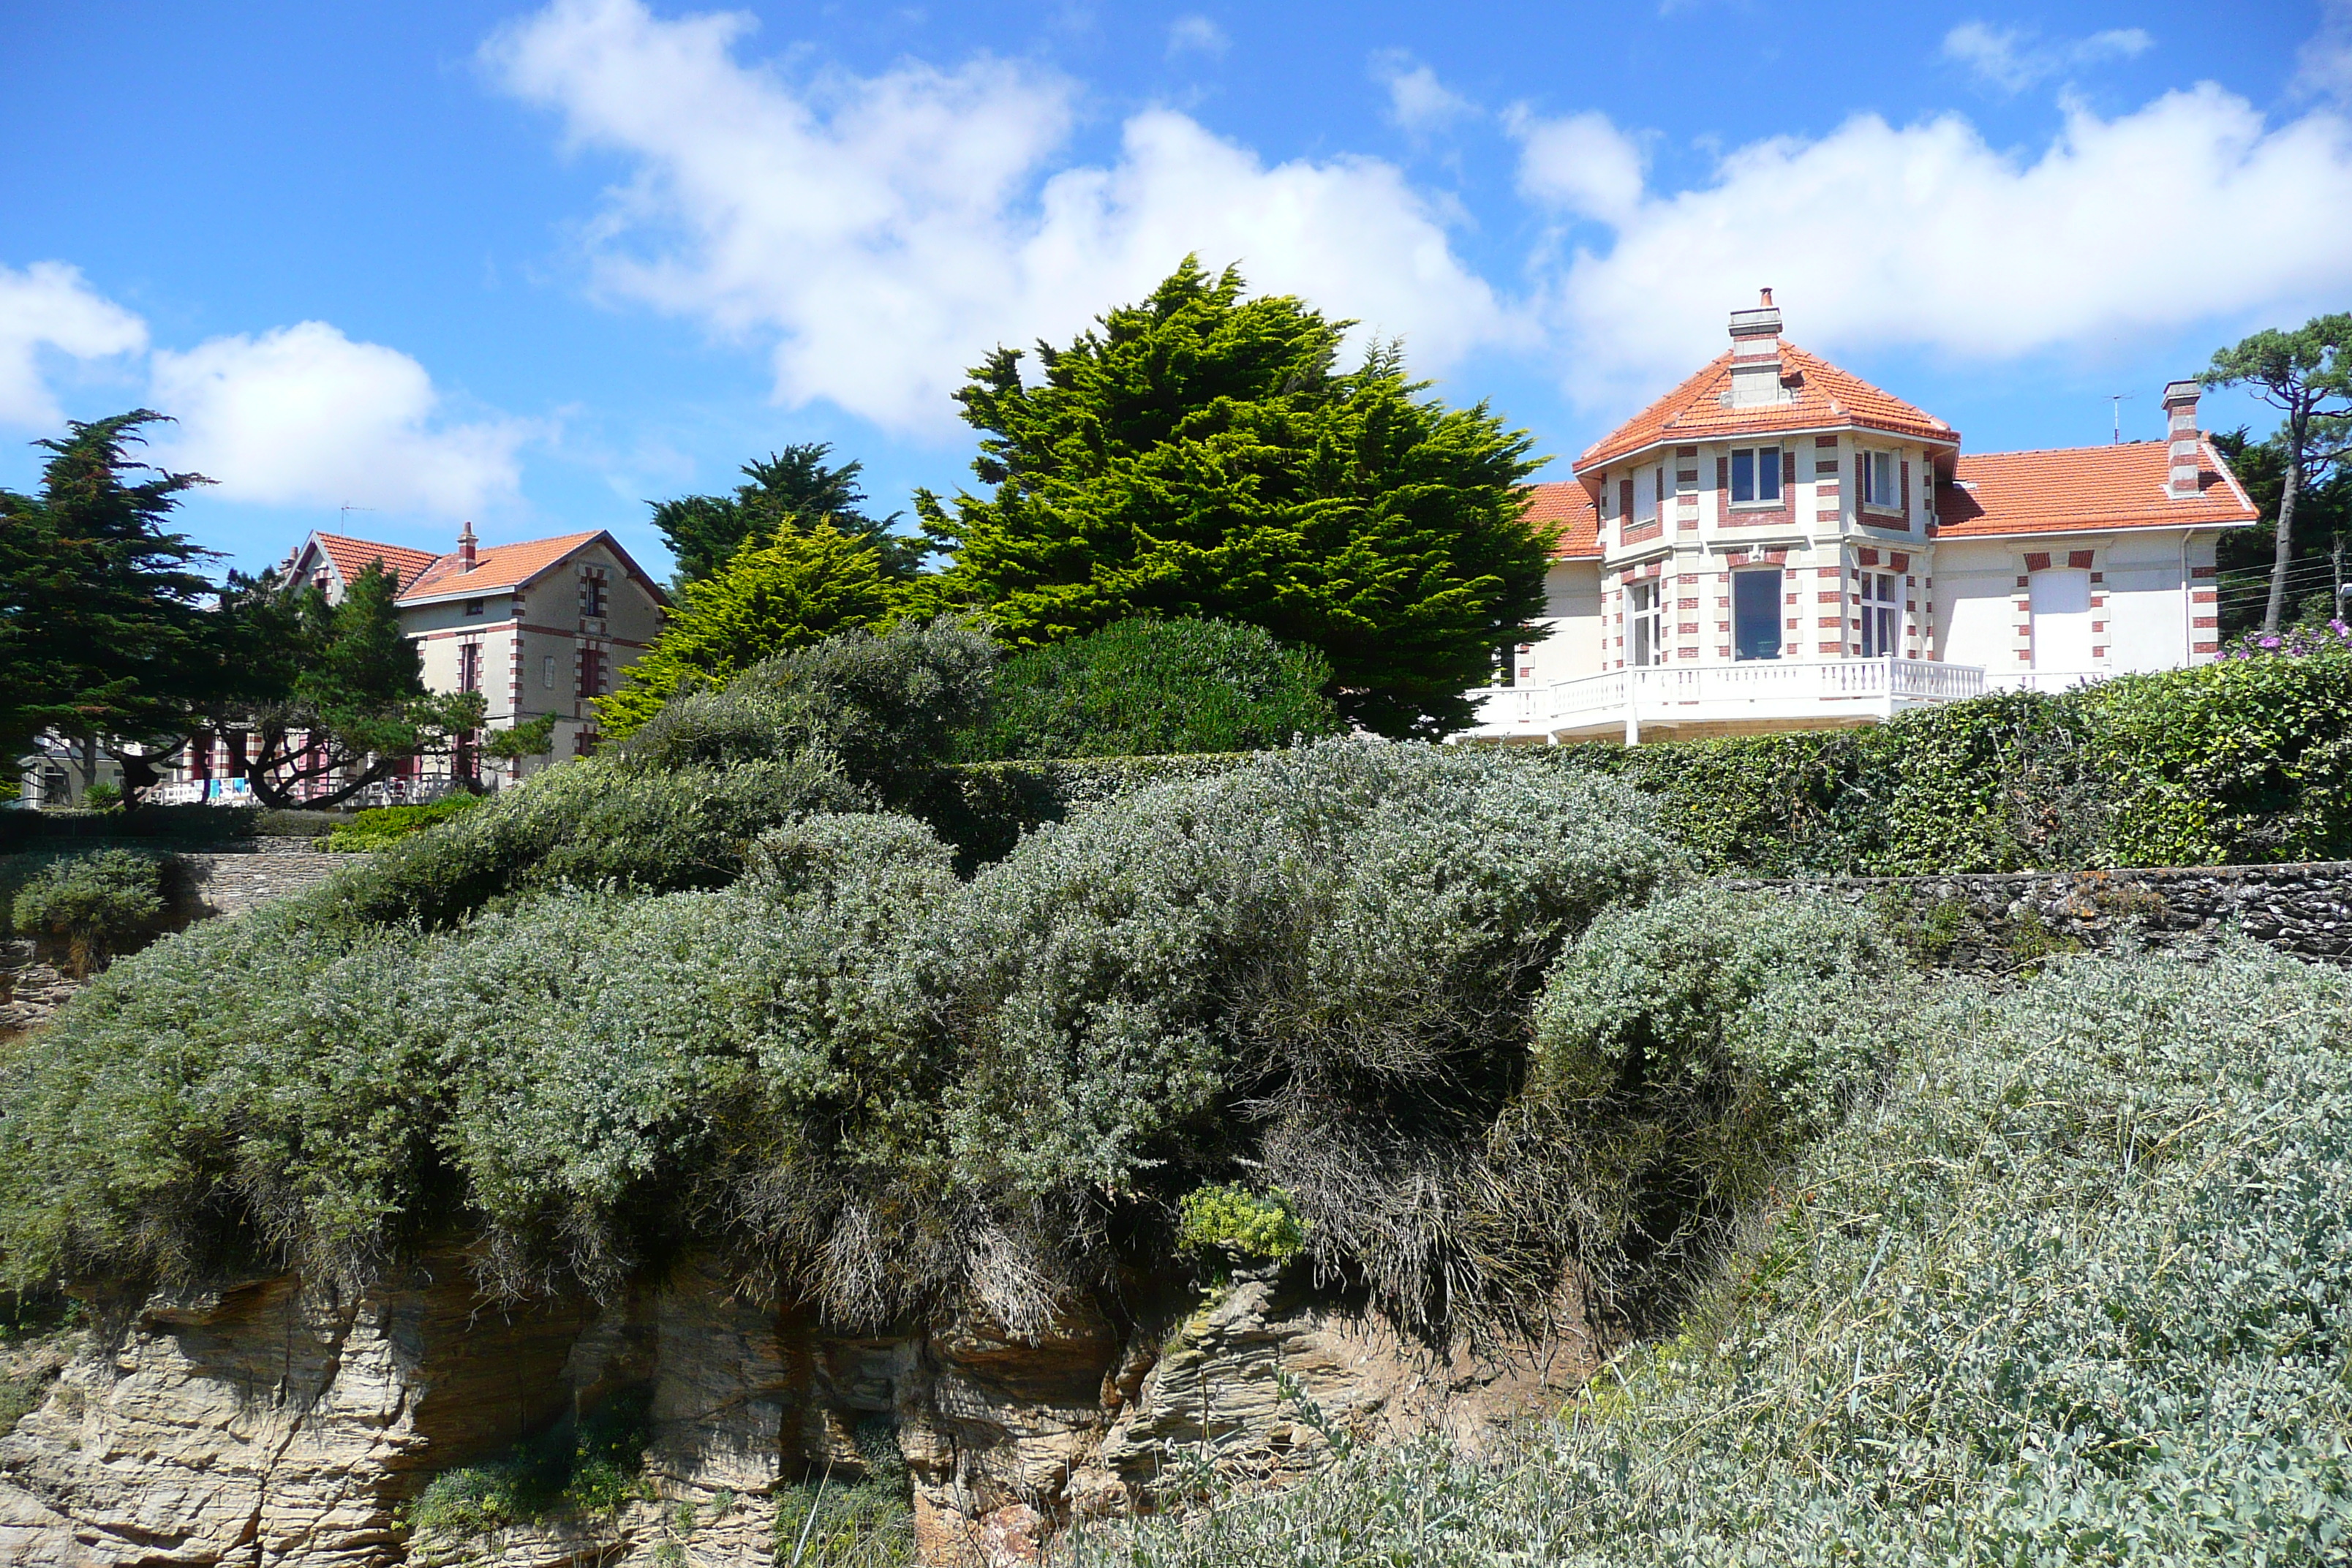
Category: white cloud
[49,305]
[2012,59]
[304,415]
[1925,235]
[1196,35]
[1418,102]
[1581,164]
[886,231]
[2324,65]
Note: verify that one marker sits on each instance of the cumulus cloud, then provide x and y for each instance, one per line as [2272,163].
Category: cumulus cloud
[2324,66]
[1581,164]
[1925,235]
[305,416]
[1196,35]
[2013,59]
[1418,102]
[884,232]
[49,306]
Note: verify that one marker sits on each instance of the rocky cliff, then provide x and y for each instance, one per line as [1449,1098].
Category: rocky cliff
[274,1422]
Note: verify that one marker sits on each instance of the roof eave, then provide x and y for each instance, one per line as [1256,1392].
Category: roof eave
[1951,439]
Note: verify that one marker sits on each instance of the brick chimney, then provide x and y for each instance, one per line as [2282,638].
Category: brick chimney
[2180,430]
[466,548]
[1756,356]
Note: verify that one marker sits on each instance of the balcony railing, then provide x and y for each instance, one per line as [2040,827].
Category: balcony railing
[1759,690]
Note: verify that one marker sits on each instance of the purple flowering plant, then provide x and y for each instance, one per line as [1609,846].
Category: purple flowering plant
[2291,642]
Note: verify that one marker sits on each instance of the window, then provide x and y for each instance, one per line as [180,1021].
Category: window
[1756,613]
[592,673]
[1755,474]
[1646,623]
[469,667]
[2060,602]
[1882,615]
[592,596]
[1879,484]
[473,606]
[1653,486]
[547,676]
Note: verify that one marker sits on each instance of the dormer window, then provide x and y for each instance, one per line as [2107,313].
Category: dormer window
[1880,484]
[1755,474]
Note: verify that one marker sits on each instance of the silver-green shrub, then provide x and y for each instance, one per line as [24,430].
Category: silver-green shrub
[2077,1289]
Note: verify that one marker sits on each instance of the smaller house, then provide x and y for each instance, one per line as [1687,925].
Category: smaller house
[544,627]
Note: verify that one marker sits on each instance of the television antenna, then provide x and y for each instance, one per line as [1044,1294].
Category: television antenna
[2119,399]
[343,514]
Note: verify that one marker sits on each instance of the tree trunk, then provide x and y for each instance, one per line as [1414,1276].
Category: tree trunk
[2299,434]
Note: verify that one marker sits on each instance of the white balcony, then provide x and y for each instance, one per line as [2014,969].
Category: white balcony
[1752,697]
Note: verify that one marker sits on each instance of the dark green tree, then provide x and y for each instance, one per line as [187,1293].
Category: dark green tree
[1201,455]
[793,486]
[103,632]
[2307,374]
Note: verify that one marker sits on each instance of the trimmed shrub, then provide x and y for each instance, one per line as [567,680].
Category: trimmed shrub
[91,908]
[2241,760]
[372,830]
[1150,688]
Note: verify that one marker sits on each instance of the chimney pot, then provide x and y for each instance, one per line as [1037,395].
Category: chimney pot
[1766,300]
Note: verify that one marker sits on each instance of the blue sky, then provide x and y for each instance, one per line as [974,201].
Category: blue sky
[533,265]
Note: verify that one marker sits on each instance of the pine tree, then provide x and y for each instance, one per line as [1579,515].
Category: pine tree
[1199,455]
[794,586]
[103,631]
[792,486]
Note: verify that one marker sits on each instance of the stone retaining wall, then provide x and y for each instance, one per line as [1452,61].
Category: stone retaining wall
[1999,922]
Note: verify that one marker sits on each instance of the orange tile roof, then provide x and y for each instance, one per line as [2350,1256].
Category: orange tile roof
[498,568]
[1826,397]
[1566,509]
[2083,489]
[352,557]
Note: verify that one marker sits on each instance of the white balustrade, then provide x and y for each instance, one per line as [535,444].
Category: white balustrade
[1830,690]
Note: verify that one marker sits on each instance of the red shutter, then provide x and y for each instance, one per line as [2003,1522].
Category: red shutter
[1625,499]
[1861,477]
[1723,475]
[1906,487]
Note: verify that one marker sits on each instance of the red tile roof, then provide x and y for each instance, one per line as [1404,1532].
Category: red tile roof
[1826,397]
[352,557]
[498,568]
[1566,509]
[2083,490]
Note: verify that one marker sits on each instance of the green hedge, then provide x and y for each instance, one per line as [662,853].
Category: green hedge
[2241,762]
[372,830]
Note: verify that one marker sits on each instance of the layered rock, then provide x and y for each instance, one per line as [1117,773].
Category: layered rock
[271,1423]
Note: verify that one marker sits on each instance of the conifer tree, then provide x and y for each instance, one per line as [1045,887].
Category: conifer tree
[792,587]
[1200,455]
[794,486]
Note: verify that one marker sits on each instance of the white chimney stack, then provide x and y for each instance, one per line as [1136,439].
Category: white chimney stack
[1756,356]
[2181,432]
[466,548]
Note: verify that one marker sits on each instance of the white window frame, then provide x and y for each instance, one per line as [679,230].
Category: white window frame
[1881,615]
[1755,456]
[1645,622]
[1889,498]
[1647,495]
[1779,588]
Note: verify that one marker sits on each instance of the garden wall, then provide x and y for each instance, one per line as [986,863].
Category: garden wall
[1996,922]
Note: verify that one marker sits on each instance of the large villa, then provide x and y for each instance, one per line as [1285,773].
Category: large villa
[1778,544]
